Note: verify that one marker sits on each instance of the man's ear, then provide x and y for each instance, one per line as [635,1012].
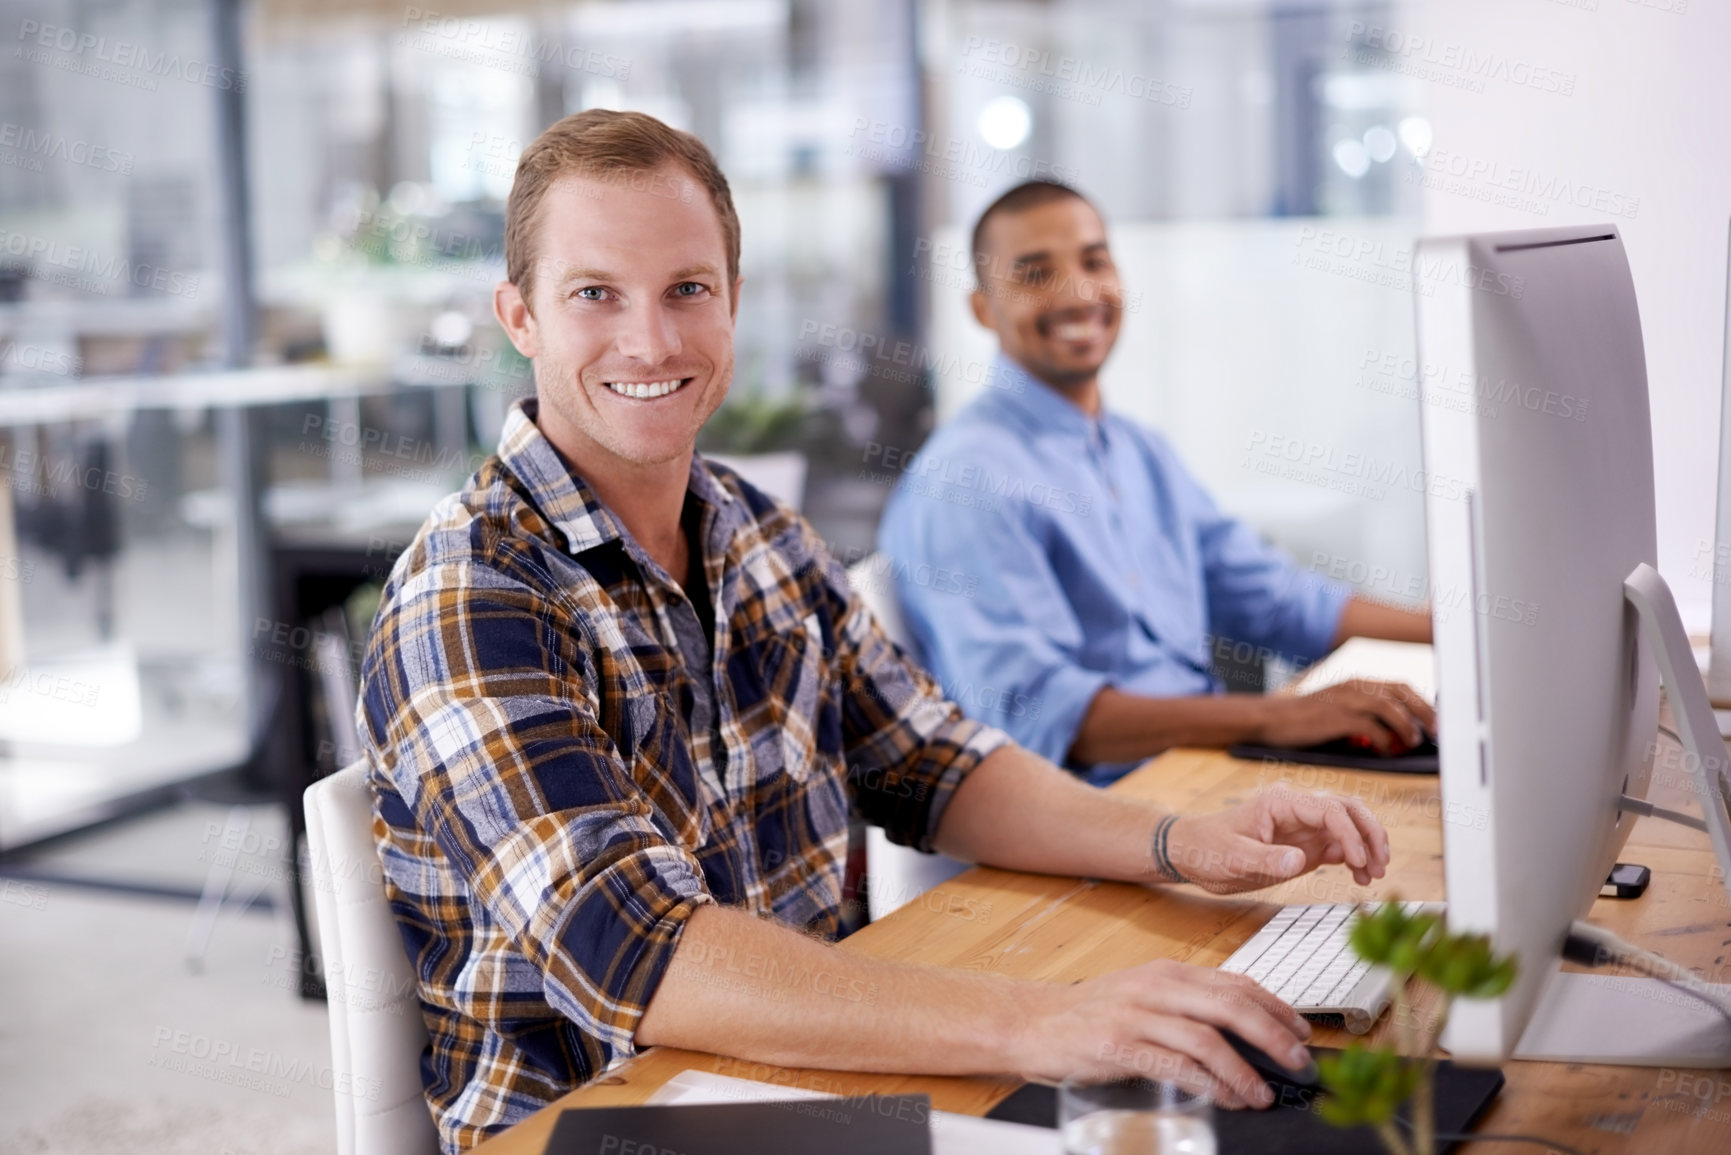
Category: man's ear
[516,319]
[982,307]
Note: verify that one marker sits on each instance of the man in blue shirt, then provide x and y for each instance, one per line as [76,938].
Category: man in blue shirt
[1099,570]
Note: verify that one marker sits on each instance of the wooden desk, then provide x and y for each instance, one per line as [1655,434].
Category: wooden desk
[1064,929]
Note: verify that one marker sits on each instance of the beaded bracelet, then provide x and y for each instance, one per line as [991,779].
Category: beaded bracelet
[1162,855]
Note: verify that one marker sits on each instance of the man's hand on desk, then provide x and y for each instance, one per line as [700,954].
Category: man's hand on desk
[1275,836]
[1389,715]
[1020,812]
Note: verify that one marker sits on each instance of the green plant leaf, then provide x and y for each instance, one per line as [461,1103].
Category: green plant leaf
[748,423]
[1365,1087]
[1393,938]
[1371,939]
[1465,965]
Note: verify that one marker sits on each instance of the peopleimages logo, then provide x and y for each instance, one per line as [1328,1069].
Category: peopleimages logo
[1349,471]
[90,271]
[86,52]
[897,359]
[32,146]
[16,356]
[1069,77]
[25,470]
[254,1068]
[496,45]
[956,158]
[873,569]
[967,483]
[400,449]
[1446,62]
[1440,381]
[1367,255]
[1541,188]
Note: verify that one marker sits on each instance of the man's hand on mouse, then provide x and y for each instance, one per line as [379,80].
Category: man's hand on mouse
[1162,1020]
[1390,717]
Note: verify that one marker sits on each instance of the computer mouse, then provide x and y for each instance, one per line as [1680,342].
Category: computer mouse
[1276,1072]
[1363,743]
[1358,746]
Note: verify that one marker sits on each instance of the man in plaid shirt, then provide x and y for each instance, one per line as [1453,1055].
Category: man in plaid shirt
[618,704]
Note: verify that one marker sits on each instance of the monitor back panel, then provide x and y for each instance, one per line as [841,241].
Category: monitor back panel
[1539,502]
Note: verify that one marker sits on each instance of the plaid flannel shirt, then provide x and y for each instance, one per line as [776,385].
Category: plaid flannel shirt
[546,819]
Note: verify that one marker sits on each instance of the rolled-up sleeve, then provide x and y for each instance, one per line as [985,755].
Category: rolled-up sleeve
[481,698]
[1002,631]
[907,746]
[1257,595]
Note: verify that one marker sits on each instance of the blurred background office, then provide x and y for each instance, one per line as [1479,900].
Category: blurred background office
[247,250]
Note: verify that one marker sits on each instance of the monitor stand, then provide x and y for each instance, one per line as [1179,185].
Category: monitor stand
[1642,1021]
[1704,755]
[1719,649]
[1627,1022]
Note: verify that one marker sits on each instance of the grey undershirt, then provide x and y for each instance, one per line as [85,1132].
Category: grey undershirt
[695,653]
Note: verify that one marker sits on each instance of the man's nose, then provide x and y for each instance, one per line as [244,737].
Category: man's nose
[648,333]
[1079,289]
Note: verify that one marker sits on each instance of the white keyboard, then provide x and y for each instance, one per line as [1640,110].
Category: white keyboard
[1303,956]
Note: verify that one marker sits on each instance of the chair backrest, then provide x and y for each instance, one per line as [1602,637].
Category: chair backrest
[895,875]
[780,474]
[873,579]
[377,1033]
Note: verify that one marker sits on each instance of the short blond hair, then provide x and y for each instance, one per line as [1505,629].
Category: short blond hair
[601,143]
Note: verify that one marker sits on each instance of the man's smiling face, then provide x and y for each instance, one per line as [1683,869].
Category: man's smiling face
[631,318]
[1050,290]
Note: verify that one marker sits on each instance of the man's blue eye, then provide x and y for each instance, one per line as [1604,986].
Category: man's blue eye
[688,288]
[590,289]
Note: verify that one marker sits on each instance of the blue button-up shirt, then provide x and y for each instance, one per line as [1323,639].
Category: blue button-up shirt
[1040,554]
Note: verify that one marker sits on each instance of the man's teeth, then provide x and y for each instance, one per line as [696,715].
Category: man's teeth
[1073,330]
[645,389]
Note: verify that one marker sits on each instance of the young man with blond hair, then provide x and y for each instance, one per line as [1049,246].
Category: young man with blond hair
[618,704]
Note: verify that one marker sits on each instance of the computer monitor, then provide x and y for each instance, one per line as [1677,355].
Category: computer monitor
[1538,458]
[1719,651]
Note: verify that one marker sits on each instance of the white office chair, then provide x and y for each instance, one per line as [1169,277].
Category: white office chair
[780,474]
[377,1034]
[895,875]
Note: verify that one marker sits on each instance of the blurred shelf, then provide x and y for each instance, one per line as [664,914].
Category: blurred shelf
[99,397]
[119,317]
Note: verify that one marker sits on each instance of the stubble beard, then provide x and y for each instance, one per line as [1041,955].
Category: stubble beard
[583,425]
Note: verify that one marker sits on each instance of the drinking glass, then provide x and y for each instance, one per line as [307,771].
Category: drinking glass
[1134,1116]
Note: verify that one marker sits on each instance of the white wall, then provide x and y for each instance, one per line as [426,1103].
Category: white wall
[1649,118]
[1234,337]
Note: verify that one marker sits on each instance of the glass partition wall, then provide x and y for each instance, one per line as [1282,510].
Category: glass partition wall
[1259,166]
[1257,162]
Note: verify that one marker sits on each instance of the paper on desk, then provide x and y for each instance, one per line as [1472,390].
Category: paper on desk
[1411,662]
[951,1134]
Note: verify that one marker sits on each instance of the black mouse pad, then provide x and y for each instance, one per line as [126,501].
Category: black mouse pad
[868,1125]
[1292,1126]
[1419,760]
